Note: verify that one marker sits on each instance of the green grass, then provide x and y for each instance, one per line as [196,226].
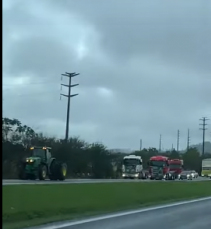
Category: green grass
[27,205]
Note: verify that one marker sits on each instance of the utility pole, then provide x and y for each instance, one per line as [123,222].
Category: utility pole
[160,143]
[140,144]
[70,75]
[178,137]
[203,124]
[188,140]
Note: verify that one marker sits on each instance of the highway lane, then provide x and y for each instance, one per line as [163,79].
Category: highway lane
[84,181]
[183,215]
[70,181]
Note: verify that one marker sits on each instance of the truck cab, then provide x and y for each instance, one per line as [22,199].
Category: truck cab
[176,165]
[158,167]
[132,167]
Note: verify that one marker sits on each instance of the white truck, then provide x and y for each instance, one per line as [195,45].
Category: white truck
[132,167]
[206,168]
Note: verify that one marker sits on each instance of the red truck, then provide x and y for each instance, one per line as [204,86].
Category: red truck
[158,167]
[176,165]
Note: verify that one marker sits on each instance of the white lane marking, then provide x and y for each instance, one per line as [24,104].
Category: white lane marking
[110,216]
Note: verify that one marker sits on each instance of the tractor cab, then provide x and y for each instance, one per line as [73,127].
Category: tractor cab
[42,152]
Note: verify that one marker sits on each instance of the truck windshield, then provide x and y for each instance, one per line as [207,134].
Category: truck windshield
[38,152]
[206,163]
[157,163]
[175,166]
[131,162]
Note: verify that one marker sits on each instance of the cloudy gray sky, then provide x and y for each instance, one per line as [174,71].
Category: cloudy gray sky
[145,68]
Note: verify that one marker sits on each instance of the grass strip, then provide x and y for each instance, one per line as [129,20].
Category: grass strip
[29,205]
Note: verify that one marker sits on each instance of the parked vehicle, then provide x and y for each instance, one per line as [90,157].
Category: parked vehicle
[185,175]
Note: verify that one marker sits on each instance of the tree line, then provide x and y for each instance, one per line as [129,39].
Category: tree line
[84,160]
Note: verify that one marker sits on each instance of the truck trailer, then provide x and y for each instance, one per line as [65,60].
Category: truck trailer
[206,168]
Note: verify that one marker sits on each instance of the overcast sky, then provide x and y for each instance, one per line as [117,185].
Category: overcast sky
[145,68]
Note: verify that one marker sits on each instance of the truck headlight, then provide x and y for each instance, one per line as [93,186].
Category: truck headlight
[136,175]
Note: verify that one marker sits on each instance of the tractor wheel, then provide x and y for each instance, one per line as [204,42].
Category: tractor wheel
[62,171]
[53,171]
[42,172]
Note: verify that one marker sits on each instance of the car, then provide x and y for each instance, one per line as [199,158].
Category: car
[185,175]
[194,174]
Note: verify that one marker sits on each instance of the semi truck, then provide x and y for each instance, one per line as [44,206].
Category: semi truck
[176,165]
[132,167]
[159,168]
[206,168]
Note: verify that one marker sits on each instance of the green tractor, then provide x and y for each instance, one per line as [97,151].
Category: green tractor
[41,165]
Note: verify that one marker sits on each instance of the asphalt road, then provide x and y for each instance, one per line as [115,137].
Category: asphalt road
[184,215]
[81,181]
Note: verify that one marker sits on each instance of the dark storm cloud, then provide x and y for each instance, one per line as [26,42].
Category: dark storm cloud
[145,68]
[178,32]
[37,55]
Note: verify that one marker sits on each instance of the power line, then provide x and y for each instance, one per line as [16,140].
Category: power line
[203,124]
[70,75]
[178,138]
